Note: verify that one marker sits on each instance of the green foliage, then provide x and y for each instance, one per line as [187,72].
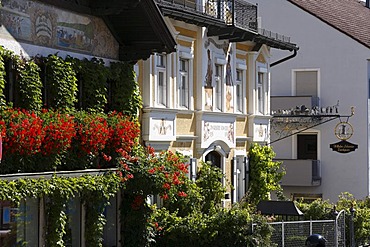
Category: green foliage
[94,190]
[61,83]
[222,228]
[95,195]
[2,77]
[210,185]
[30,85]
[93,77]
[125,93]
[322,210]
[207,223]
[64,77]
[265,174]
[361,215]
[317,210]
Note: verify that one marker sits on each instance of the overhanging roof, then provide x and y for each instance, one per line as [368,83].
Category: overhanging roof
[239,30]
[137,25]
[278,208]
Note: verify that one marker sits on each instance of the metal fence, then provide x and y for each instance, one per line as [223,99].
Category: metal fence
[295,233]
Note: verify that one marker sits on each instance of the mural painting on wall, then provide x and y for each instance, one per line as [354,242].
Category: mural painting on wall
[261,133]
[213,131]
[162,128]
[229,86]
[16,19]
[46,25]
[209,83]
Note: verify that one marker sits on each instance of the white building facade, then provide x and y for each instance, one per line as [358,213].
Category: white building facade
[332,65]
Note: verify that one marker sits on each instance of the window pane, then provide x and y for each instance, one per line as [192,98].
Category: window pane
[162,93]
[239,99]
[219,85]
[110,228]
[260,92]
[73,234]
[184,83]
[161,61]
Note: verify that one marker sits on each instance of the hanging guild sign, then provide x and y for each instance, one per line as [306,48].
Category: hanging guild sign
[343,131]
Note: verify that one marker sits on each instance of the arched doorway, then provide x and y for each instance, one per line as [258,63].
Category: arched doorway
[215,158]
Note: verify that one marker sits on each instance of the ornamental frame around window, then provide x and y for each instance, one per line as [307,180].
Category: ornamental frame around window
[184,55]
[183,83]
[161,80]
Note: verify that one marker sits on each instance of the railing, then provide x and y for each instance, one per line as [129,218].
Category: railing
[232,12]
[295,233]
[273,35]
[301,172]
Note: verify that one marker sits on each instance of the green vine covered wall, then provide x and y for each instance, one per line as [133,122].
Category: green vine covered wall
[68,83]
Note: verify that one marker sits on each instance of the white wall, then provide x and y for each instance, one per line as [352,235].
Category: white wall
[344,76]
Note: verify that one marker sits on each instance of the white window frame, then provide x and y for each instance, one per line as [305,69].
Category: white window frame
[161,67]
[261,89]
[183,83]
[240,84]
[186,55]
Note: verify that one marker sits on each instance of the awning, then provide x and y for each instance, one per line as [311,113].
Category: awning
[287,208]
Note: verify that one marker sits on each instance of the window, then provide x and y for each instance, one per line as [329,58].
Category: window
[260,92]
[161,80]
[240,180]
[307,146]
[184,83]
[306,82]
[73,224]
[19,225]
[239,90]
[110,231]
[218,88]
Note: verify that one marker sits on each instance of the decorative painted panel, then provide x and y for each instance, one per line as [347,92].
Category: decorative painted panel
[44,25]
[218,131]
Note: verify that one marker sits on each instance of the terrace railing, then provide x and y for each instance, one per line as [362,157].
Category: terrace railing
[238,13]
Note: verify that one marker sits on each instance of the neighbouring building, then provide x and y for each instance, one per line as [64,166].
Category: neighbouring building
[80,29]
[316,90]
[210,99]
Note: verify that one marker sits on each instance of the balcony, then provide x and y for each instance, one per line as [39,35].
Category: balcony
[292,102]
[233,20]
[236,13]
[301,172]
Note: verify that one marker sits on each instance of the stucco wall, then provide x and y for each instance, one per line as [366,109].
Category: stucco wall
[343,64]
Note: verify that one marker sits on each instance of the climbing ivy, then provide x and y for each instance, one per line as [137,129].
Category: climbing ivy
[125,93]
[61,83]
[59,190]
[30,85]
[93,76]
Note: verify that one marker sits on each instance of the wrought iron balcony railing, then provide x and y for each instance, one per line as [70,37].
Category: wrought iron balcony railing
[236,13]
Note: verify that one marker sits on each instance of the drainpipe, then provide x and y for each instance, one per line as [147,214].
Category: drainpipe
[286,58]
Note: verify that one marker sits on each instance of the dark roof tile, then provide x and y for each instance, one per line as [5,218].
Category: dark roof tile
[348,16]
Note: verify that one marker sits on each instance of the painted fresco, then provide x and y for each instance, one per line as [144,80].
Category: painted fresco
[15,18]
[44,25]
[214,131]
[209,80]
